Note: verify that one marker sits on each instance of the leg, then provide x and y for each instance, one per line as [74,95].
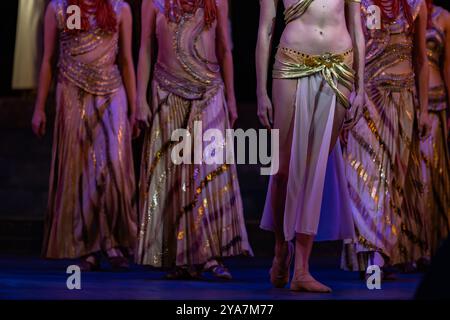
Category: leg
[303,280]
[339,117]
[284,94]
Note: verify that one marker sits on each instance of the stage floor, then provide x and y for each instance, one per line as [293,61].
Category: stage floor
[25,277]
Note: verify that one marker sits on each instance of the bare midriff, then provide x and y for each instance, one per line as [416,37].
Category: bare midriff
[321,29]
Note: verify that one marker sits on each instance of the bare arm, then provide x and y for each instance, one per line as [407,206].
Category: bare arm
[268,11]
[225,57]
[355,26]
[45,76]
[145,59]
[421,67]
[126,59]
[447,56]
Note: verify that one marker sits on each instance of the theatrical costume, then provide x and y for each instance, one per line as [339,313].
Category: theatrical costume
[382,155]
[190,214]
[316,186]
[434,149]
[91,204]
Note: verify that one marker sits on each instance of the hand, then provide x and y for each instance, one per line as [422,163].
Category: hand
[344,136]
[143,115]
[135,130]
[265,111]
[38,123]
[424,125]
[232,111]
[358,104]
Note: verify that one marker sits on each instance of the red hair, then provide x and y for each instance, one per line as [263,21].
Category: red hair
[178,7]
[102,10]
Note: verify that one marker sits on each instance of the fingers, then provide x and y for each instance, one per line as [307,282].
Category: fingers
[136,132]
[42,128]
[38,128]
[264,119]
[270,114]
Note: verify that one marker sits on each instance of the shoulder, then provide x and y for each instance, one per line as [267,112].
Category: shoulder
[120,6]
[442,12]
[445,16]
[416,6]
[366,3]
[154,5]
[58,9]
[220,3]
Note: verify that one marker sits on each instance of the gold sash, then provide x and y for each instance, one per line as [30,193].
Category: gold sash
[296,10]
[291,64]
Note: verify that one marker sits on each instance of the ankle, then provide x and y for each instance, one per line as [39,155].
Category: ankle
[281,248]
[301,272]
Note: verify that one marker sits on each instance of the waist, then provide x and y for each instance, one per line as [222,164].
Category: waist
[97,79]
[334,68]
[394,82]
[182,86]
[289,62]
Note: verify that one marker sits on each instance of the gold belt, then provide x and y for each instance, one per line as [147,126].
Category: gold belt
[292,64]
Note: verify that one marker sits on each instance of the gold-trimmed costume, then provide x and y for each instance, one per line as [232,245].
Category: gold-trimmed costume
[91,205]
[190,214]
[382,155]
[291,64]
[434,150]
[316,184]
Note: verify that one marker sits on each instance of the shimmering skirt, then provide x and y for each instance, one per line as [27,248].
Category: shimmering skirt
[383,172]
[436,171]
[316,186]
[190,213]
[91,204]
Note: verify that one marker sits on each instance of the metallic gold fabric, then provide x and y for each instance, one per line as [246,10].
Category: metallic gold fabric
[97,74]
[291,64]
[189,213]
[383,154]
[91,205]
[296,10]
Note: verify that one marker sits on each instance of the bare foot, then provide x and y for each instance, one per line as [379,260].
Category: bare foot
[305,282]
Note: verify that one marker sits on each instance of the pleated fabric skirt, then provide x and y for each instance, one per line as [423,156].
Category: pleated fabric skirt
[316,187]
[91,204]
[436,176]
[384,178]
[190,214]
